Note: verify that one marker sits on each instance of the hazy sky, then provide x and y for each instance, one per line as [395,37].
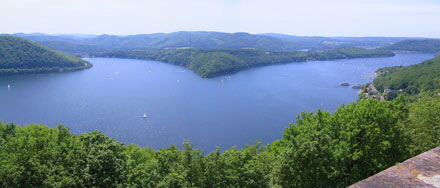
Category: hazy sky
[417,18]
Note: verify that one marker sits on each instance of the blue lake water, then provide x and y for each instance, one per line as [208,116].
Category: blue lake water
[234,110]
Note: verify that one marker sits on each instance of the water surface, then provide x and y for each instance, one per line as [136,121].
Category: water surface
[238,109]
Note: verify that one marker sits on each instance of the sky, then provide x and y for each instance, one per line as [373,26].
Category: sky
[409,18]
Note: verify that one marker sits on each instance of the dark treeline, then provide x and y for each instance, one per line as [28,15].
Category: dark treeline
[410,80]
[21,56]
[210,63]
[322,149]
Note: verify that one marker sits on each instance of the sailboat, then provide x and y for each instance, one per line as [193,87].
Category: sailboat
[9,86]
[145,115]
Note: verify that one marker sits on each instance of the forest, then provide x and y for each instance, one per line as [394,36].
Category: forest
[214,62]
[410,80]
[21,56]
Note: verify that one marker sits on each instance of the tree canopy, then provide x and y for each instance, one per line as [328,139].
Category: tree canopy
[18,56]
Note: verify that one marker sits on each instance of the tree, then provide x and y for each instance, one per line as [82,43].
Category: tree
[104,160]
[307,160]
[357,141]
[423,126]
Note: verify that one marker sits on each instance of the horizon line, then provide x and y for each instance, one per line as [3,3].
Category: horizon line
[206,31]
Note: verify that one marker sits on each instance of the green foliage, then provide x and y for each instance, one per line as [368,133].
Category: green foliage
[411,79]
[358,140]
[21,56]
[306,158]
[36,156]
[320,150]
[426,46]
[104,160]
[423,125]
[214,62]
[348,53]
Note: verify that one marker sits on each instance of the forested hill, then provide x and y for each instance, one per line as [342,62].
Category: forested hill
[424,46]
[214,62]
[80,44]
[19,56]
[411,80]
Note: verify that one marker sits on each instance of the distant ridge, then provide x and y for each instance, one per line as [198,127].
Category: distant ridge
[21,56]
[82,44]
[423,45]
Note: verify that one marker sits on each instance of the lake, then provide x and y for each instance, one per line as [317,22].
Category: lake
[233,110]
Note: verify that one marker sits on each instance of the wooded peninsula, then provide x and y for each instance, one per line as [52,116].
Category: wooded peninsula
[22,56]
[214,62]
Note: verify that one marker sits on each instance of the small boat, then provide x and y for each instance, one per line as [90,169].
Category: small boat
[145,115]
[9,86]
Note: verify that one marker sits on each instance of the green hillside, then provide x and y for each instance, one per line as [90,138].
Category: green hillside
[214,62]
[411,80]
[21,56]
[425,46]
